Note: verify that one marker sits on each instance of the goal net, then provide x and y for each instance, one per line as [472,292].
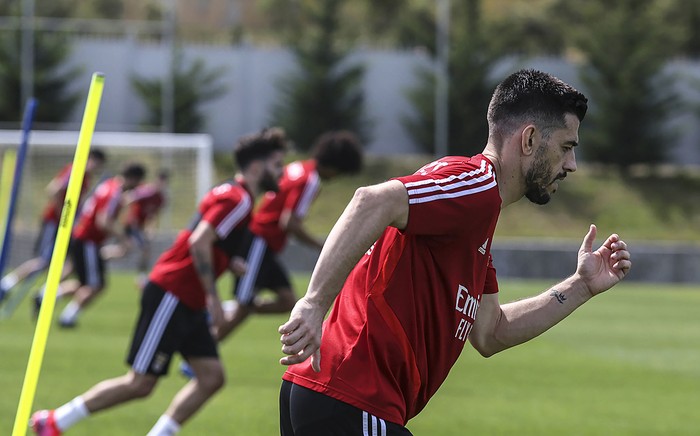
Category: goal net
[188,157]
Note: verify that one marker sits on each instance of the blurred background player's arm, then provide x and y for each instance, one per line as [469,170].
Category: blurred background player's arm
[294,225]
[201,243]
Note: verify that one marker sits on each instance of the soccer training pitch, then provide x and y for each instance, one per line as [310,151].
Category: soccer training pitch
[627,363]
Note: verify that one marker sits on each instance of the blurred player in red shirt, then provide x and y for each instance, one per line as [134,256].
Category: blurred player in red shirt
[180,301]
[144,204]
[43,249]
[96,222]
[280,215]
[408,272]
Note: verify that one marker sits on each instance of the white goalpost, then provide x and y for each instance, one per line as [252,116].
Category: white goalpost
[188,157]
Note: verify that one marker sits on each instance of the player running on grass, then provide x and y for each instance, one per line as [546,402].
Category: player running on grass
[174,303]
[409,261]
[96,222]
[56,190]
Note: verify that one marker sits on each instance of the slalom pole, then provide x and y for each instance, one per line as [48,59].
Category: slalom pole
[8,170]
[36,354]
[19,165]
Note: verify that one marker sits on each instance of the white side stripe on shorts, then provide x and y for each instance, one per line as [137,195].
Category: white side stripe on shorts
[92,272]
[255,257]
[154,333]
[367,428]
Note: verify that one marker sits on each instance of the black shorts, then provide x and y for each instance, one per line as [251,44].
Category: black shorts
[304,412]
[166,326]
[264,271]
[43,247]
[88,263]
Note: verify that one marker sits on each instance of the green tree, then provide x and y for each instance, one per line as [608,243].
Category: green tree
[470,87]
[626,46]
[325,92]
[194,85]
[52,78]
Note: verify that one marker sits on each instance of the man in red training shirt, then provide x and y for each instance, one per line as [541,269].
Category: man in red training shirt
[96,222]
[408,271]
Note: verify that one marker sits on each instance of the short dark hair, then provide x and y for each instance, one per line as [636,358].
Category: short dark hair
[259,145]
[340,150]
[133,170]
[533,96]
[98,154]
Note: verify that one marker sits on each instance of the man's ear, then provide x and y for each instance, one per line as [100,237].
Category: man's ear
[527,139]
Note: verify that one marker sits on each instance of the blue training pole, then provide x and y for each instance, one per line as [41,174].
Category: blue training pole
[19,165]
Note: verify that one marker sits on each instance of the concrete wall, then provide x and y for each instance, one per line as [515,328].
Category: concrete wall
[251,75]
[555,260]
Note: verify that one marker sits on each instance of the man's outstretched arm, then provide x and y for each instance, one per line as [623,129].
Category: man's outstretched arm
[498,327]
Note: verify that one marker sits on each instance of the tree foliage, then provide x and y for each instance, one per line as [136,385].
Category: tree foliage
[626,46]
[325,92]
[52,78]
[194,85]
[470,87]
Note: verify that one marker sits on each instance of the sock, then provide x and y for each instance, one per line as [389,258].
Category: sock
[70,312]
[71,413]
[9,281]
[166,426]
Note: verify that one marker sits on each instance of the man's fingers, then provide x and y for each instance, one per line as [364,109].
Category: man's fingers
[288,327]
[316,360]
[587,244]
[301,356]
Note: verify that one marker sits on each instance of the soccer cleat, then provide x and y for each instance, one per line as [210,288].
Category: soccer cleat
[67,323]
[43,423]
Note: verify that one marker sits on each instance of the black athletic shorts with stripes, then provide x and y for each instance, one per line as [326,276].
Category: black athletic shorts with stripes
[88,263]
[264,270]
[166,326]
[304,412]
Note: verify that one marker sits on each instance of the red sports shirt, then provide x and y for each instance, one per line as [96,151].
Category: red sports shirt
[52,211]
[405,311]
[227,208]
[299,186]
[106,199]
[147,200]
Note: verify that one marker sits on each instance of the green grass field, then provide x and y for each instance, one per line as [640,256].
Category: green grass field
[627,363]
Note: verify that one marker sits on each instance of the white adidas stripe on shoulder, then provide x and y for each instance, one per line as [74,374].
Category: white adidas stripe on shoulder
[458,185]
[483,168]
[235,216]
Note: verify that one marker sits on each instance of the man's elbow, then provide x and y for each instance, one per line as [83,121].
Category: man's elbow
[487,347]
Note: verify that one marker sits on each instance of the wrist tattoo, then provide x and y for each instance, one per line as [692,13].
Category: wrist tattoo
[559,296]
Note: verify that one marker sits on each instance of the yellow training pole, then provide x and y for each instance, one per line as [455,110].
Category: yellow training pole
[75,183]
[6,179]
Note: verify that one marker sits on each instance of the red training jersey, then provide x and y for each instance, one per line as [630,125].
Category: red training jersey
[227,209]
[52,210]
[299,186]
[105,200]
[405,311]
[147,200]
